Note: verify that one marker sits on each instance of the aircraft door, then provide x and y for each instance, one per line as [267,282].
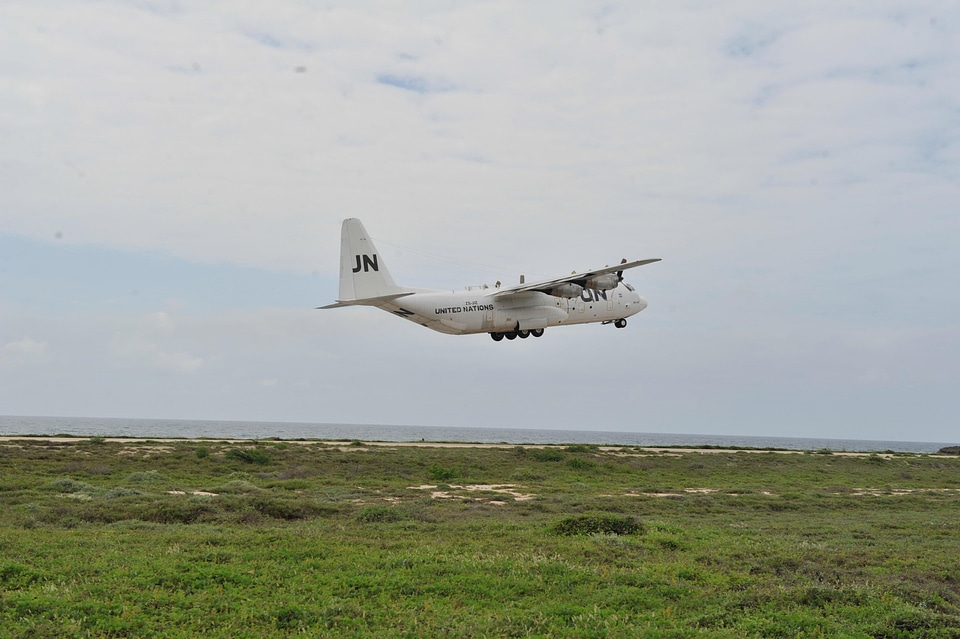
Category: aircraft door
[488,319]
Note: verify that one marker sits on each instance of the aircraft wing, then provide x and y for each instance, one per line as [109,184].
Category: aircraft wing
[576,278]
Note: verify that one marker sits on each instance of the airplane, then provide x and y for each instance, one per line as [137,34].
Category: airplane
[520,310]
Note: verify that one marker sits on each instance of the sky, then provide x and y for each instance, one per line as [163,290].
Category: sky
[173,176]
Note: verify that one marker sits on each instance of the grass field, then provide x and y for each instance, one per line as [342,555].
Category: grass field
[106,538]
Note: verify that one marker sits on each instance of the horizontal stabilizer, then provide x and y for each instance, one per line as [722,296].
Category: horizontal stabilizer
[368,301]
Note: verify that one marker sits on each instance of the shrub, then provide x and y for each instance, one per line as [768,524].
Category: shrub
[581,448]
[17,576]
[203,452]
[597,524]
[547,455]
[146,477]
[67,485]
[236,487]
[175,512]
[378,514]
[581,464]
[285,509]
[248,455]
[293,618]
[120,491]
[441,473]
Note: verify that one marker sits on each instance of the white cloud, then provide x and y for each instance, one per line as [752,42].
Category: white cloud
[136,352]
[25,351]
[545,119]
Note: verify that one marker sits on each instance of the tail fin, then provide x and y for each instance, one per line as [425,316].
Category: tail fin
[362,272]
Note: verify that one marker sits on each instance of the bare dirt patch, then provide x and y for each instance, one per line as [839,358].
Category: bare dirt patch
[453,491]
[144,451]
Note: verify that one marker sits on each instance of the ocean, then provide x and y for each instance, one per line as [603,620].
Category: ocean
[175,428]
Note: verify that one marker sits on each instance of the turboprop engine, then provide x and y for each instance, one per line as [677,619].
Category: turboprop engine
[569,290]
[603,282]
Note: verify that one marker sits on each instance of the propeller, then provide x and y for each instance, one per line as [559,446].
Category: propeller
[620,273]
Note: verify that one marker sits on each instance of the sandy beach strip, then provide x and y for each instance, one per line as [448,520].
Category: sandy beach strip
[624,449]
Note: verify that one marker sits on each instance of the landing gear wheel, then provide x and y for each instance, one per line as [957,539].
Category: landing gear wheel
[620,323]
[496,336]
[537,332]
[523,334]
[511,335]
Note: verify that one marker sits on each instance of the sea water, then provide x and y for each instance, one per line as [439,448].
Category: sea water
[176,428]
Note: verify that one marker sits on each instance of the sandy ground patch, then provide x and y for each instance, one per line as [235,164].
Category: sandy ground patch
[450,492]
[144,451]
[896,492]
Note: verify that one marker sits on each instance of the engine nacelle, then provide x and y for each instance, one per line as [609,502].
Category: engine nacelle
[603,282]
[568,289]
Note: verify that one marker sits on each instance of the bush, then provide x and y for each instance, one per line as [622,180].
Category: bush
[146,477]
[67,485]
[378,515]
[17,576]
[285,508]
[120,491]
[175,512]
[441,473]
[292,618]
[581,448]
[236,487]
[203,452]
[581,464]
[597,524]
[546,455]
[248,455]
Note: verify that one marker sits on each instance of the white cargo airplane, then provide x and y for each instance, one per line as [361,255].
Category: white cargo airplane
[514,311]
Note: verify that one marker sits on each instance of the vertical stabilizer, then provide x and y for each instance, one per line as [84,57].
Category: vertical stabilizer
[362,271]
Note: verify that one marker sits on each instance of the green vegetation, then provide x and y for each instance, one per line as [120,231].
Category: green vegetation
[597,525]
[249,455]
[103,538]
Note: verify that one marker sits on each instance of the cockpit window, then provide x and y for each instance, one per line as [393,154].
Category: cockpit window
[630,288]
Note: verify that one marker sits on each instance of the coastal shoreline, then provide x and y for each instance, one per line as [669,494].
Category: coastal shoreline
[359,444]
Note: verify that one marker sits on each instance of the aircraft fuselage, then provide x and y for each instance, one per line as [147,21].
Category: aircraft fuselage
[477,310]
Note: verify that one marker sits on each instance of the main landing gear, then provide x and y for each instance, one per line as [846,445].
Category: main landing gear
[536,332]
[620,323]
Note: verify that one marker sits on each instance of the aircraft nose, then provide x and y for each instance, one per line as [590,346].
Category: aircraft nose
[635,304]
